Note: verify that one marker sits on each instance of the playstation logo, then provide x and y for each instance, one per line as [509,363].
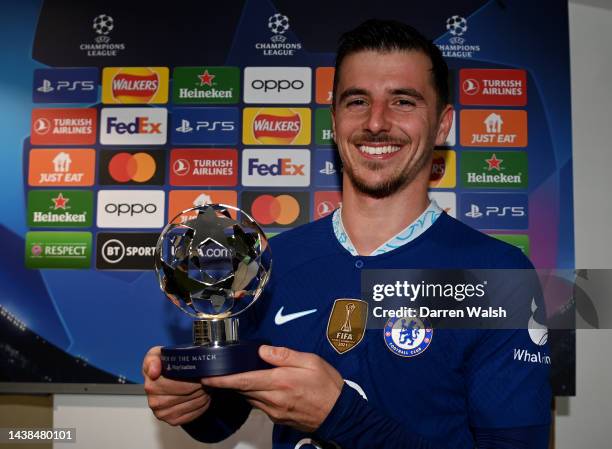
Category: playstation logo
[474,212]
[46,87]
[185,127]
[328,169]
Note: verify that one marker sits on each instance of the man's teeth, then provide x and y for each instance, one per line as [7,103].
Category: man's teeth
[379,150]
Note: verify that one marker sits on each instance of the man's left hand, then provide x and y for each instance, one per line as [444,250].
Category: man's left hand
[299,392]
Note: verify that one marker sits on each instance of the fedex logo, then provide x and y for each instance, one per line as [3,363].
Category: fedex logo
[133,126]
[276,167]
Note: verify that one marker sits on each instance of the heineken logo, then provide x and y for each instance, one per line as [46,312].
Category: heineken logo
[206,85]
[507,169]
[60,208]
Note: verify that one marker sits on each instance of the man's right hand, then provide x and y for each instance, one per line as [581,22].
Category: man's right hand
[175,402]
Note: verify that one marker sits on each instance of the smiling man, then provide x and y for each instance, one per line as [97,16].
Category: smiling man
[336,383]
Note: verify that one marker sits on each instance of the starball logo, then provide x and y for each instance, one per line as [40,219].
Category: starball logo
[102,46]
[133,126]
[276,126]
[280,45]
[456,46]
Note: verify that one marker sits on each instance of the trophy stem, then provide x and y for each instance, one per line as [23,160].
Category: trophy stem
[215,332]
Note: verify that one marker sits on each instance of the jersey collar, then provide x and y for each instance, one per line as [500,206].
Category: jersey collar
[409,233]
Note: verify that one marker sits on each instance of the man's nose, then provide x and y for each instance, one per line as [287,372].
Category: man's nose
[378,118]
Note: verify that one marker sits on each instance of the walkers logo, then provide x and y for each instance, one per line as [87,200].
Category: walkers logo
[64,208]
[507,169]
[521,241]
[204,167]
[284,85]
[58,250]
[493,87]
[205,126]
[276,167]
[133,126]
[495,210]
[63,126]
[102,46]
[323,126]
[135,85]
[206,85]
[61,167]
[276,126]
[327,168]
[135,167]
[443,169]
[324,85]
[456,46]
[447,202]
[487,127]
[65,85]
[277,209]
[278,25]
[126,251]
[325,203]
[131,208]
[181,200]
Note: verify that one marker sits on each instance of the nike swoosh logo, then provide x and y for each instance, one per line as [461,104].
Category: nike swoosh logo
[280,319]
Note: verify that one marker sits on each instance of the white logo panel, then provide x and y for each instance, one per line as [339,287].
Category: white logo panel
[133,126]
[131,208]
[447,202]
[276,167]
[279,85]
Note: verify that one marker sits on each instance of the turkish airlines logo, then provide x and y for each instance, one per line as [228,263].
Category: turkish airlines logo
[325,202]
[130,208]
[134,126]
[64,126]
[276,126]
[493,87]
[271,167]
[134,85]
[279,85]
[204,167]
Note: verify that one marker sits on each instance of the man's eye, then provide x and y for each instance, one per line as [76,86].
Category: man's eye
[356,102]
[405,102]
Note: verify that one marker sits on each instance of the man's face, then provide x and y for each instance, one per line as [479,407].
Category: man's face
[386,120]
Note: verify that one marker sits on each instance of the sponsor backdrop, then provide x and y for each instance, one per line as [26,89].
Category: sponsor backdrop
[128,114]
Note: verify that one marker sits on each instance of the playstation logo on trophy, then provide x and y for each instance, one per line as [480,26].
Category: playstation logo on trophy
[213,262]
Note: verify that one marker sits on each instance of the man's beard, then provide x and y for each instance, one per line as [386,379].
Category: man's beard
[389,186]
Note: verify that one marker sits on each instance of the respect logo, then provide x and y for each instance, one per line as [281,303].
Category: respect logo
[135,85]
[276,126]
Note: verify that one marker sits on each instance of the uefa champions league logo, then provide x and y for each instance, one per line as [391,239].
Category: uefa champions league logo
[457,26]
[278,24]
[102,25]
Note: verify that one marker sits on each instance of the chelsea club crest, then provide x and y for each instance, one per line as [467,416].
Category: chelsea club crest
[407,337]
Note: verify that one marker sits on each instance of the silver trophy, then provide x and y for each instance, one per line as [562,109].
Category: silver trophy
[213,267]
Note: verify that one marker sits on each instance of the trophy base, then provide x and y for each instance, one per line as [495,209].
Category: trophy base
[190,362]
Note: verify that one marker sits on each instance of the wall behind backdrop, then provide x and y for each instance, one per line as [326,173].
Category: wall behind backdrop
[126,115]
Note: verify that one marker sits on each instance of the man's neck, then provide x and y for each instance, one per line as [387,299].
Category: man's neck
[370,222]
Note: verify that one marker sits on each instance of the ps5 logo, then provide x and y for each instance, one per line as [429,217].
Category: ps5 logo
[329,168]
[495,211]
[70,86]
[206,126]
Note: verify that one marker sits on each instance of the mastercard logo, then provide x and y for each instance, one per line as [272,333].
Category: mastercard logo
[281,209]
[277,209]
[125,167]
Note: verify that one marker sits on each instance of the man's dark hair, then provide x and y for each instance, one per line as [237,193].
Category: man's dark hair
[389,35]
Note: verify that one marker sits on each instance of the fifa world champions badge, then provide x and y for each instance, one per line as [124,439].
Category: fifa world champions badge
[347,324]
[407,337]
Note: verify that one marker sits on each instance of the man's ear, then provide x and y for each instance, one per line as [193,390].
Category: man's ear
[444,124]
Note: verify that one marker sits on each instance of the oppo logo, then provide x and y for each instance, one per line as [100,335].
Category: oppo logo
[130,209]
[277,85]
